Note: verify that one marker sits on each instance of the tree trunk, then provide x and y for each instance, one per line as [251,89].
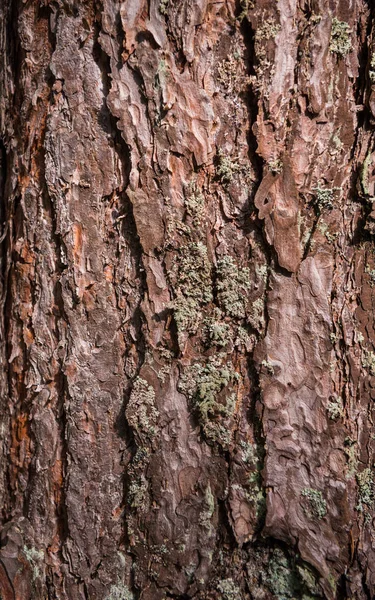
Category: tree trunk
[187,292]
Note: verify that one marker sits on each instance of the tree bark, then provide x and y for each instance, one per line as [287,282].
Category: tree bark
[187,299]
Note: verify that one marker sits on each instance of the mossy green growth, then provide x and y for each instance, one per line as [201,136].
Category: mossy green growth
[229,590]
[120,592]
[141,412]
[232,284]
[366,489]
[202,385]
[340,42]
[318,506]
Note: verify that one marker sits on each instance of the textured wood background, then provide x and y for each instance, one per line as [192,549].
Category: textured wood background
[187,368]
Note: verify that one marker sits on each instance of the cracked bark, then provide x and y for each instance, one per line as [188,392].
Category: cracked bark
[187,290]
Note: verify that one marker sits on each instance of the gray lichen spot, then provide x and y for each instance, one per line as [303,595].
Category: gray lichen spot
[318,506]
[340,42]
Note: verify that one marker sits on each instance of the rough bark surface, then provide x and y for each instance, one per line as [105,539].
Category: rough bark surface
[187,297]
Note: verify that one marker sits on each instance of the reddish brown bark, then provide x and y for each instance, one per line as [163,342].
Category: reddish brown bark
[187,360]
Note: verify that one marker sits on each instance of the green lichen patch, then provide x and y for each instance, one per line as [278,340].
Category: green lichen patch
[227,168]
[208,509]
[324,198]
[138,496]
[372,69]
[340,42]
[194,203]
[193,272]
[210,389]
[229,590]
[216,332]
[119,592]
[191,280]
[256,316]
[232,285]
[368,361]
[317,504]
[335,409]
[141,412]
[283,573]
[163,7]
[35,559]
[366,489]
[245,6]
[231,74]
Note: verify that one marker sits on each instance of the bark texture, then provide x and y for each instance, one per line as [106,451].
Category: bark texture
[187,299]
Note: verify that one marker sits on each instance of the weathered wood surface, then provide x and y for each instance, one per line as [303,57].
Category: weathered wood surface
[187,290]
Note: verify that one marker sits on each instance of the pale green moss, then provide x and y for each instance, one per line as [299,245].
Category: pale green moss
[232,285]
[318,506]
[245,6]
[340,42]
[256,314]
